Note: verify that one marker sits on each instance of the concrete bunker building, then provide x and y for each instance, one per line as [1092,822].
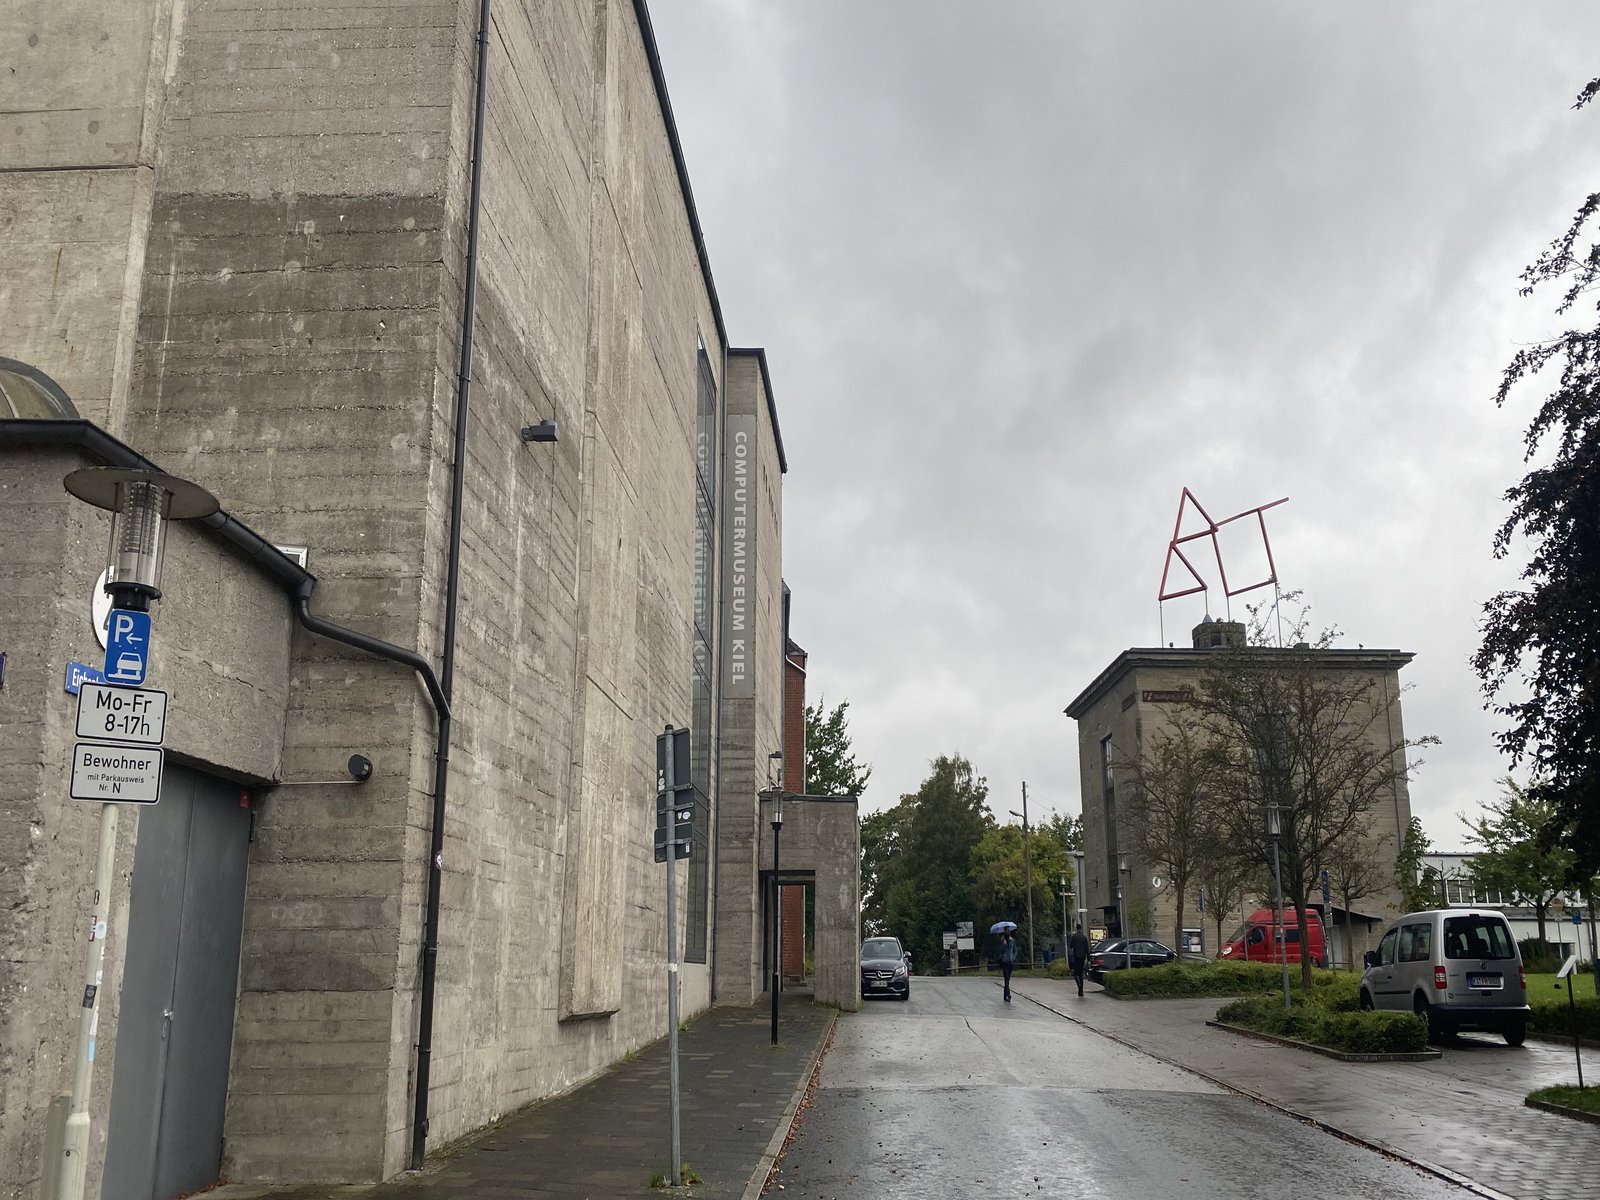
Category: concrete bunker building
[1141,689]
[236,247]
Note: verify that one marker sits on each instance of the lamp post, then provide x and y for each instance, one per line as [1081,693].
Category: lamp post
[140,503]
[1079,882]
[1122,913]
[1027,866]
[777,905]
[1274,833]
[1065,928]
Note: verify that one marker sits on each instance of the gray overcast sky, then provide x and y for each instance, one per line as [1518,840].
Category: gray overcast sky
[1024,271]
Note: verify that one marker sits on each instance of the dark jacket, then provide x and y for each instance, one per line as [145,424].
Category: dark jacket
[1008,951]
[1077,947]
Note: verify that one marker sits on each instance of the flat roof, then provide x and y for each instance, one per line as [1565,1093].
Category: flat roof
[1187,658]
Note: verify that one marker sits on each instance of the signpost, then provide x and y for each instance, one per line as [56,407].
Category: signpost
[1566,972]
[674,840]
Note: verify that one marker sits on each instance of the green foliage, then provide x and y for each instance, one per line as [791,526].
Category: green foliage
[1058,969]
[1141,919]
[831,768]
[1586,1099]
[1544,638]
[1310,1020]
[1552,1018]
[1514,857]
[1225,979]
[1065,830]
[1539,957]
[926,881]
[1420,886]
[999,888]
[883,837]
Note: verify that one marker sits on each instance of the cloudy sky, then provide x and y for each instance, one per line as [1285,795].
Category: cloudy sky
[1024,271]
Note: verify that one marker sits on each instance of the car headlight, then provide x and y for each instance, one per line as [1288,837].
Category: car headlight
[900,971]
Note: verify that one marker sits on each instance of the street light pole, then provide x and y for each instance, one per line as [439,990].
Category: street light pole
[1065,928]
[141,503]
[1027,866]
[1274,832]
[777,909]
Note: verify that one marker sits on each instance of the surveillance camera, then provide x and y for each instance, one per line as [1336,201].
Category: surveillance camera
[360,768]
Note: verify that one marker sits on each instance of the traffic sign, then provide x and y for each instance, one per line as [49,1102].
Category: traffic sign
[1577,916]
[127,646]
[117,774]
[119,714]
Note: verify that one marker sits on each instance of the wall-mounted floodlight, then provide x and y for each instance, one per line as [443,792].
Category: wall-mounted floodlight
[141,503]
[544,431]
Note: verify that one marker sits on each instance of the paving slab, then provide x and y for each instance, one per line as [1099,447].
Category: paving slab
[1462,1114]
[607,1138]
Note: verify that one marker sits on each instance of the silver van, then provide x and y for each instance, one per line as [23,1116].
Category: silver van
[1456,968]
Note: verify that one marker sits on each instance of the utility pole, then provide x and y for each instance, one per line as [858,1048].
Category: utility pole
[1027,865]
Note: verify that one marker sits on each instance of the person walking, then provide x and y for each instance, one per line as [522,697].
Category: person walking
[1008,959]
[1078,955]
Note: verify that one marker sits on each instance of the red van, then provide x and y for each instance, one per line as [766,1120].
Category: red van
[1256,940]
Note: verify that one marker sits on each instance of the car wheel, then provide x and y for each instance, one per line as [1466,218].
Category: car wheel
[1423,1009]
[906,995]
[1366,1000]
[1516,1033]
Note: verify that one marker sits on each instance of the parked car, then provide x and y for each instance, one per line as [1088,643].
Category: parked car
[885,968]
[1256,940]
[1456,968]
[1119,954]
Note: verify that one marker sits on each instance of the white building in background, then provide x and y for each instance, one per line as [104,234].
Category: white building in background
[1455,874]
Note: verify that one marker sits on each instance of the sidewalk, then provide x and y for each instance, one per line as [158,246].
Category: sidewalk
[1460,1116]
[607,1138]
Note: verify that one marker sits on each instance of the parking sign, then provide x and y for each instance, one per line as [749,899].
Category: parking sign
[127,647]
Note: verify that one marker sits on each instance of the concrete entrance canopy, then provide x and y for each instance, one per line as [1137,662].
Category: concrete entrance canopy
[822,841]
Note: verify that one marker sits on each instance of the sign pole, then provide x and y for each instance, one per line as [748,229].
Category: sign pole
[672,965]
[75,1146]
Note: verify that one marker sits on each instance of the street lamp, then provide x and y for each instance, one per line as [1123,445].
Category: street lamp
[1122,912]
[1027,867]
[1065,928]
[777,907]
[140,503]
[1274,833]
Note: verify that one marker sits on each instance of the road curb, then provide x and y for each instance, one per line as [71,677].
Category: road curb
[1421,1164]
[1561,1110]
[780,1135]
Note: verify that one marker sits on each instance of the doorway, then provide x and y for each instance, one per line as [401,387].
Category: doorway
[180,979]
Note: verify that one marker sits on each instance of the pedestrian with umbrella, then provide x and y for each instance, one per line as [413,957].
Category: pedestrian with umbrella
[1008,952]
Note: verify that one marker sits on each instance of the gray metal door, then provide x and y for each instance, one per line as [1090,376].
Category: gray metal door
[180,979]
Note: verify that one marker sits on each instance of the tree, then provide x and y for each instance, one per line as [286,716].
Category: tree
[1301,732]
[1223,875]
[882,839]
[1355,871]
[1514,858]
[831,767]
[1065,829]
[1173,803]
[998,878]
[1545,637]
[1421,886]
[929,888]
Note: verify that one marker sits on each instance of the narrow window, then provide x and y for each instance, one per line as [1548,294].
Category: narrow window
[705,542]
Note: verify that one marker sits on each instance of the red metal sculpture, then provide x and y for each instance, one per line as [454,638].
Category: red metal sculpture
[1180,539]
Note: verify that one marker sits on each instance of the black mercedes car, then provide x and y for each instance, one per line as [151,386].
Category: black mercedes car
[1115,954]
[885,968]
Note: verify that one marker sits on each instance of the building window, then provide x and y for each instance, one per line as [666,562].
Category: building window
[705,543]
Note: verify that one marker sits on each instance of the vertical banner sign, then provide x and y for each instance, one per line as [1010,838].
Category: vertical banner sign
[738,560]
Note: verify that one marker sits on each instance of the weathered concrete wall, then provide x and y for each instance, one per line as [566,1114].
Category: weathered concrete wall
[82,94]
[221,650]
[824,837]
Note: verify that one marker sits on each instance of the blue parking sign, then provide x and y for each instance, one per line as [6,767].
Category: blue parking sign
[127,646]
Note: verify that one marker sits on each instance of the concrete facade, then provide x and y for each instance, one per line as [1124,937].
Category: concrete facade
[1131,700]
[240,238]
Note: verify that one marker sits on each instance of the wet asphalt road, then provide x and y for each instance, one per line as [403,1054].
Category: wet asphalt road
[958,1094]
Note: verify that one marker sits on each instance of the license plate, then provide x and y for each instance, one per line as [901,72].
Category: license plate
[876,983]
[1483,981]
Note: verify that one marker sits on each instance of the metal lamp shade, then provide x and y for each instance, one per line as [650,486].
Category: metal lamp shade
[141,503]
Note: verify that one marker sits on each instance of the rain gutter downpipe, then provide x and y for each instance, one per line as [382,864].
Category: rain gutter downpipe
[441,769]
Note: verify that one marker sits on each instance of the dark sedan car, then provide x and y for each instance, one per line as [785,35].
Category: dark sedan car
[1118,954]
[885,968]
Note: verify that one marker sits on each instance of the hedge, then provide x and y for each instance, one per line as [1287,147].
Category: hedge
[1215,979]
[1555,1021]
[1347,1030]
